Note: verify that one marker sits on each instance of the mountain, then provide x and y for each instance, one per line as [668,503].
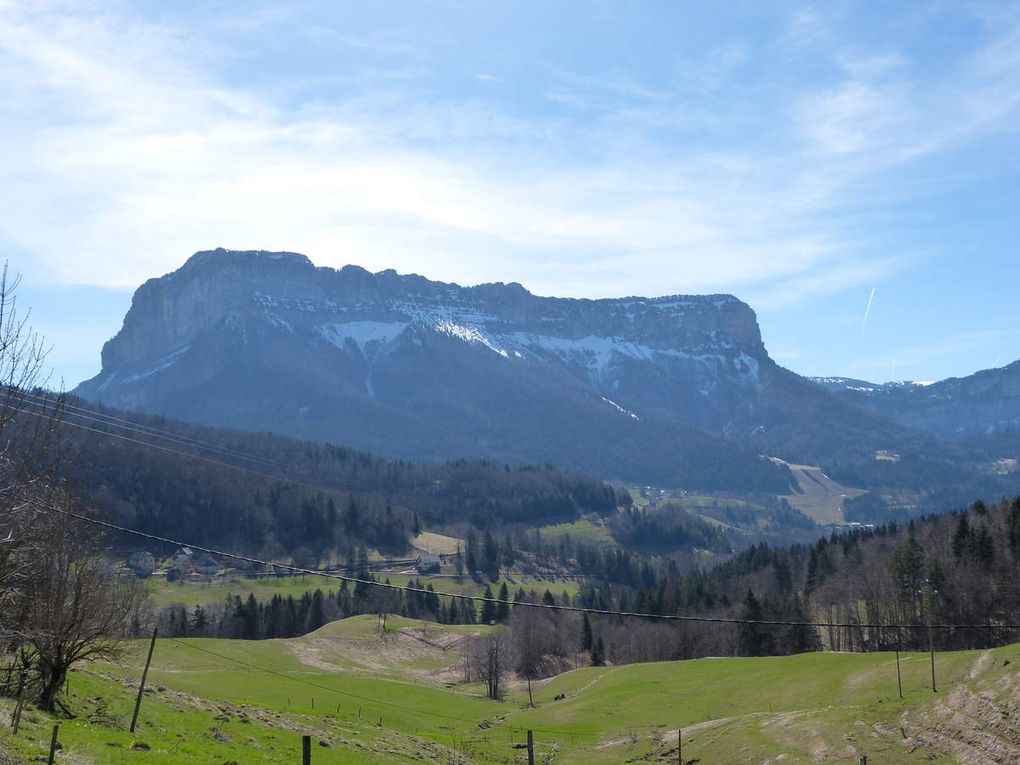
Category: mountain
[675,391]
[986,403]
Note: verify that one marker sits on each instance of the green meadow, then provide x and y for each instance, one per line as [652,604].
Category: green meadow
[398,696]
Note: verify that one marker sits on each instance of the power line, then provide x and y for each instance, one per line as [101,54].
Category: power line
[204,458]
[297,478]
[110,420]
[482,599]
[51,411]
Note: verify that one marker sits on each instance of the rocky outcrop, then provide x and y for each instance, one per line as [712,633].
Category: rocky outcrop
[673,390]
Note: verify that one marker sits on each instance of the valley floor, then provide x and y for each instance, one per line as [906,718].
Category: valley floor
[369,697]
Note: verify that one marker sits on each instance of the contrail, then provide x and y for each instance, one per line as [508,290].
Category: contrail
[867,311]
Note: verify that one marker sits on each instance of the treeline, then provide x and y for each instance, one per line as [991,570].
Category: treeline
[288,616]
[303,500]
[954,569]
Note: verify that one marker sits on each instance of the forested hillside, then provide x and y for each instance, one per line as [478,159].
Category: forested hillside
[952,569]
[281,497]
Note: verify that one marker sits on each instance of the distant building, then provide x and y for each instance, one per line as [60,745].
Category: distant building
[182,559]
[142,563]
[187,561]
[204,564]
[428,564]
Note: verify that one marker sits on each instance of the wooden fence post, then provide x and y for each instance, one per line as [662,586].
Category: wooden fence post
[53,744]
[680,746]
[899,679]
[306,750]
[141,685]
[20,705]
[531,748]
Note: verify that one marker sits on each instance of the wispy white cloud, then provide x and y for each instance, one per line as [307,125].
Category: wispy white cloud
[128,152]
[912,360]
[867,309]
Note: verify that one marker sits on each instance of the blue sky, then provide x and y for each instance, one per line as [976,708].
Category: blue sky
[804,157]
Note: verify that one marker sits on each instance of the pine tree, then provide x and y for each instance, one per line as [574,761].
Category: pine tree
[199,620]
[749,638]
[961,539]
[586,634]
[1014,528]
[598,652]
[488,607]
[502,612]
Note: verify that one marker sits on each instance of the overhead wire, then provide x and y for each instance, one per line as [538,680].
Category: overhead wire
[686,618]
[127,424]
[53,407]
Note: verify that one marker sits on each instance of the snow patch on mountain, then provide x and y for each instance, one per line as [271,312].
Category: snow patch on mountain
[621,410]
[599,354]
[361,333]
[469,334]
[159,366]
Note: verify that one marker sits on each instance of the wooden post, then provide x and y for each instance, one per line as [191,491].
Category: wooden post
[53,744]
[933,688]
[306,750]
[899,678]
[141,685]
[531,748]
[680,746]
[22,684]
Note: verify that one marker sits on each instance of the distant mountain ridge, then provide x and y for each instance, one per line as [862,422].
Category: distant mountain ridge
[982,404]
[675,391]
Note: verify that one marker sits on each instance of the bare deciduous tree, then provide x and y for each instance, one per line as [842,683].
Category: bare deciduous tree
[535,637]
[73,608]
[29,437]
[60,599]
[489,659]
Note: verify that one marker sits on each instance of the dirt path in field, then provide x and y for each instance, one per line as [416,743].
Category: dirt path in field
[432,658]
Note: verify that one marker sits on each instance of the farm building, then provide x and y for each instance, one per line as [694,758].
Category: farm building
[187,561]
[142,563]
[204,564]
[428,564]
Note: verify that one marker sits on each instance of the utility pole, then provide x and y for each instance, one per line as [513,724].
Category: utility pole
[141,685]
[928,593]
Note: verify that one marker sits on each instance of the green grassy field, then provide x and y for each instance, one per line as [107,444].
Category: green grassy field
[579,531]
[398,698]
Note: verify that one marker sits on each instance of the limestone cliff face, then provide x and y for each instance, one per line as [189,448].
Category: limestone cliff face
[287,291]
[673,390]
